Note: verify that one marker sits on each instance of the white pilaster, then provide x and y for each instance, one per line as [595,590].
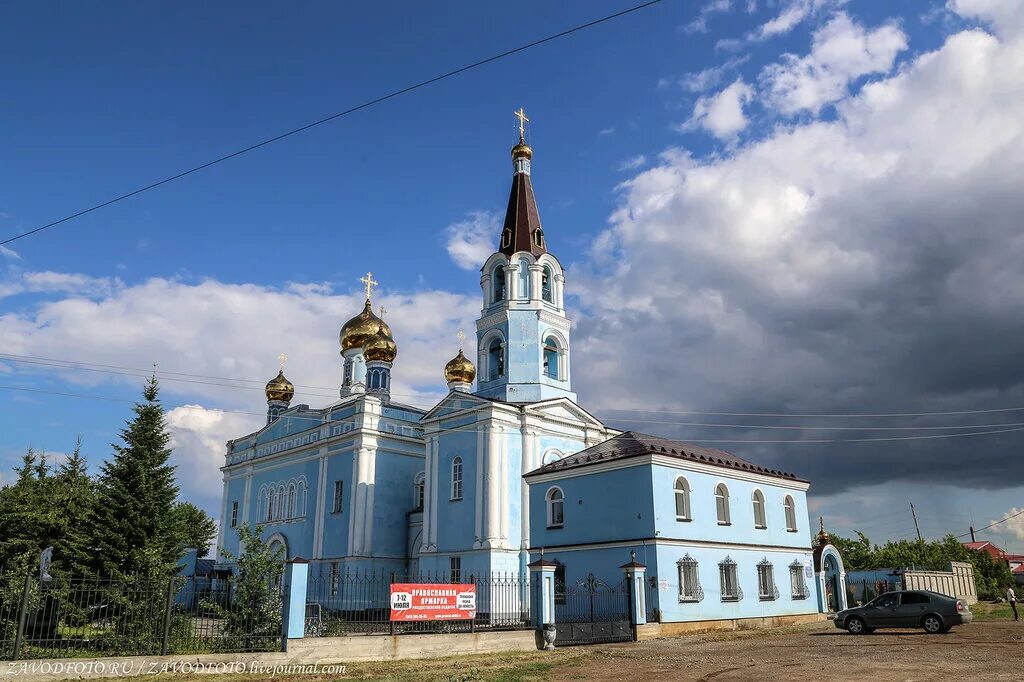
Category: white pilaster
[435,447]
[478,491]
[224,520]
[429,493]
[558,289]
[248,494]
[528,447]
[371,487]
[351,492]
[511,282]
[492,484]
[318,514]
[505,491]
[362,465]
[536,278]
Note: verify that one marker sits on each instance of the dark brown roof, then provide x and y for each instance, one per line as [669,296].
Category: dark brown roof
[522,230]
[633,444]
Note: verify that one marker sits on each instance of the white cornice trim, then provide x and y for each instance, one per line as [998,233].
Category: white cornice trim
[671,462]
[674,542]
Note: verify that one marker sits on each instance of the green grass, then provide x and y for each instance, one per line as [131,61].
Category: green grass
[993,611]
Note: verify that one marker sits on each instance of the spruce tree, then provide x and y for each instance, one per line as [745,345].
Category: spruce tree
[27,518]
[196,528]
[134,529]
[74,496]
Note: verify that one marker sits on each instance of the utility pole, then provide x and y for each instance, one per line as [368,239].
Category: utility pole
[916,527]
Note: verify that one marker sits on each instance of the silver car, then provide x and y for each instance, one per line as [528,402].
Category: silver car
[906,609]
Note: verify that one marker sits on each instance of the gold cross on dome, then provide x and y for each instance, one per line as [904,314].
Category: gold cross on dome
[370,283]
[521,115]
[382,311]
[281,359]
[462,337]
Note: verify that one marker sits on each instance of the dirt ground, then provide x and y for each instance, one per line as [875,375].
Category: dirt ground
[991,650]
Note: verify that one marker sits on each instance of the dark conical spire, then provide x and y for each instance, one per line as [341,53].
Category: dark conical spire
[522,230]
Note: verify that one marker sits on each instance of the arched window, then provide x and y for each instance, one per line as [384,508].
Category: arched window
[545,285]
[550,456]
[682,489]
[419,490]
[790,508]
[757,499]
[556,507]
[524,279]
[498,283]
[271,504]
[722,504]
[292,501]
[457,478]
[282,502]
[495,359]
[551,357]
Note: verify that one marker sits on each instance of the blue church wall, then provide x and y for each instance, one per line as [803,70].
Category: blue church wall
[339,468]
[563,445]
[704,519]
[393,499]
[456,519]
[289,425]
[598,507]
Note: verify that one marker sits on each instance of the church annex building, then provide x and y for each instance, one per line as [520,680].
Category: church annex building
[509,468]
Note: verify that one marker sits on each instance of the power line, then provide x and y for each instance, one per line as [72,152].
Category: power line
[978,530]
[309,390]
[473,427]
[332,117]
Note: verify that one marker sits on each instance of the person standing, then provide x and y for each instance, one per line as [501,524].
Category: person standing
[1011,597]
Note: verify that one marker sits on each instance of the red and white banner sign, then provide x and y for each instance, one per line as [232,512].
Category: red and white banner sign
[424,601]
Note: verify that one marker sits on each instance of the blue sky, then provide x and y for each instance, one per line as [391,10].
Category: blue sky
[683,174]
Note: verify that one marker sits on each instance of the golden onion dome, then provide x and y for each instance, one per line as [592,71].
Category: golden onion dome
[381,347]
[522,149]
[459,370]
[279,388]
[358,331]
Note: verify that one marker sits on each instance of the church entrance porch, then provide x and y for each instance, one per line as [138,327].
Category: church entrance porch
[592,611]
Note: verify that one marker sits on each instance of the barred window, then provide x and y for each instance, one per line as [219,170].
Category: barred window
[455,564]
[689,580]
[682,490]
[234,514]
[339,487]
[335,578]
[797,584]
[766,589]
[730,584]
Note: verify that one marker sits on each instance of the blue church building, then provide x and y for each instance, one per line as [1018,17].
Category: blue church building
[509,462]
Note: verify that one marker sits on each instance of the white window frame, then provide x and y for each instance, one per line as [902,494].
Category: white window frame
[456,487]
[234,514]
[682,493]
[789,505]
[760,515]
[551,501]
[455,569]
[419,491]
[722,511]
[339,497]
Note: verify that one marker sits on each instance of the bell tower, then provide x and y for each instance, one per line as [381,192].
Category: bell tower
[523,334]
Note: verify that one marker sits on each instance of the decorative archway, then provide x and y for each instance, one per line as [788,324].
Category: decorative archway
[831,575]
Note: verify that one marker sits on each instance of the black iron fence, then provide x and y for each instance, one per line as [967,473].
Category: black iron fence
[359,602]
[593,611]
[68,616]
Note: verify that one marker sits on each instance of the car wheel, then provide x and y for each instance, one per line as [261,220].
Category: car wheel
[932,624]
[856,626]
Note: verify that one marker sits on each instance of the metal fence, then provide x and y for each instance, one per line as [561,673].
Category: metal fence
[592,611]
[102,616]
[359,602]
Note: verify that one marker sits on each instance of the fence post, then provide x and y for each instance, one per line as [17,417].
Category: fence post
[293,618]
[168,607]
[542,613]
[22,616]
[635,573]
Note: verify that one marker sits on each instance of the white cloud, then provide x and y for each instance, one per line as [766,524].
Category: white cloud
[842,51]
[57,282]
[792,14]
[699,24]
[606,131]
[722,114]
[1010,523]
[700,81]
[633,163]
[216,329]
[9,253]
[472,240]
[1006,16]
[848,265]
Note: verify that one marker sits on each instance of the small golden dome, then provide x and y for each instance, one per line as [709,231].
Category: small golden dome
[279,388]
[459,369]
[522,149]
[381,347]
[358,331]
